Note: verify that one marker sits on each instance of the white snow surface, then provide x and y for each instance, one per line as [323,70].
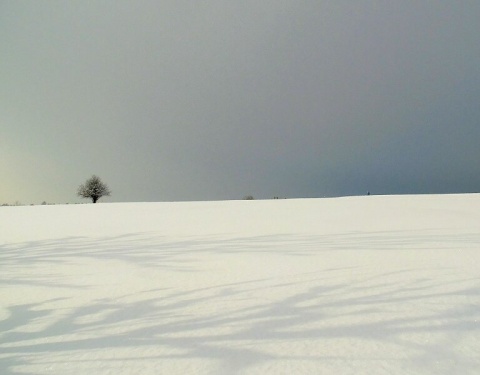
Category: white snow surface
[353,285]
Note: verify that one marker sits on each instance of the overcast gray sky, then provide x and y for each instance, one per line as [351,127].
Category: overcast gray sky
[203,100]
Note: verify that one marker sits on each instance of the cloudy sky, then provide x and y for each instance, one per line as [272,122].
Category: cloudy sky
[172,100]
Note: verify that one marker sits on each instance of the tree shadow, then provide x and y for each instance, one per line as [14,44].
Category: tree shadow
[236,324]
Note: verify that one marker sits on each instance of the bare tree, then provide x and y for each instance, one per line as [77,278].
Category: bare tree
[94,188]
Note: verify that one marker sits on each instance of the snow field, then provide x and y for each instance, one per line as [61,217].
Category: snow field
[357,285]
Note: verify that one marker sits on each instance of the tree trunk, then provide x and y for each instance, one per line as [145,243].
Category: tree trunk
[94,199]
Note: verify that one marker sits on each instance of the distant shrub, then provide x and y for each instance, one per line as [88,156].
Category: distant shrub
[248,198]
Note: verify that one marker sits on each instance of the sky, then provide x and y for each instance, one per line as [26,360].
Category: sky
[210,100]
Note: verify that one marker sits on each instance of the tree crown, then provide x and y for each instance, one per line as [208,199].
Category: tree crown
[93,188]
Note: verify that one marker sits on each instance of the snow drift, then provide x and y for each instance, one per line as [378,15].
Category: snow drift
[355,285]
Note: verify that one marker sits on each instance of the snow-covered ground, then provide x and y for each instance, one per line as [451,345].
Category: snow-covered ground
[355,285]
